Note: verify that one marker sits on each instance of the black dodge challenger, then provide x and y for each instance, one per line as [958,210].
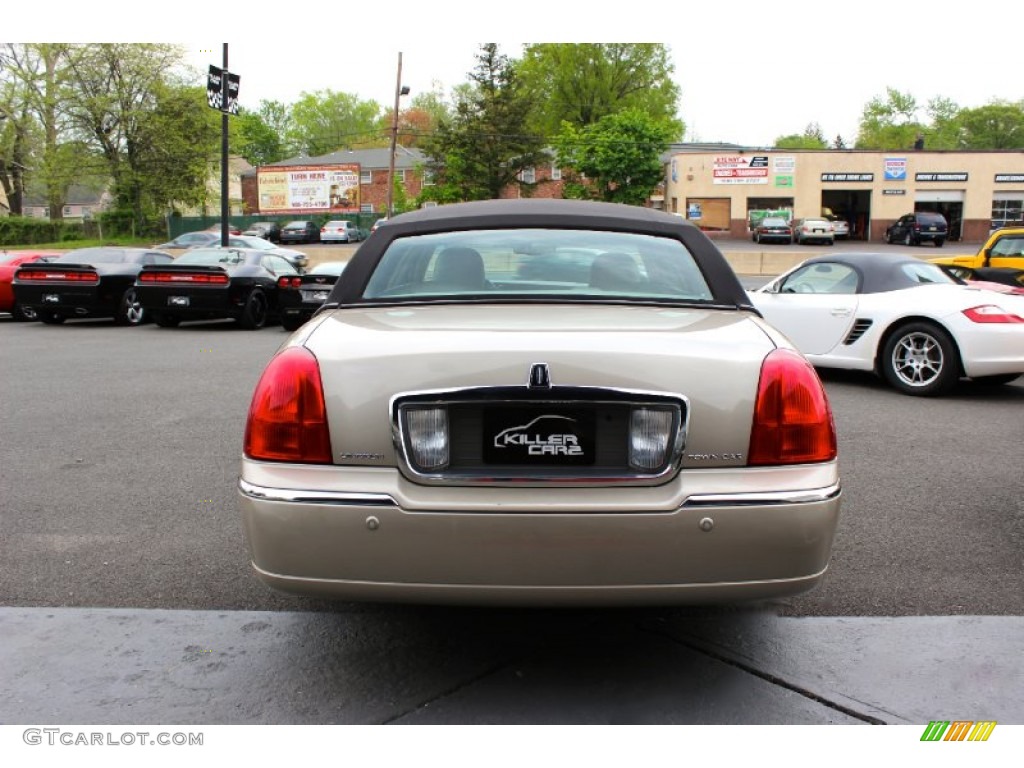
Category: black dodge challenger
[210,283]
[299,297]
[87,282]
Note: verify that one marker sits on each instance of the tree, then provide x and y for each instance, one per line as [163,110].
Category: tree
[40,73]
[256,140]
[620,155]
[811,138]
[326,121]
[889,123]
[121,104]
[999,125]
[580,83]
[485,145]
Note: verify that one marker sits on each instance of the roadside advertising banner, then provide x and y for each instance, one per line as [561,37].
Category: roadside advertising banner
[309,189]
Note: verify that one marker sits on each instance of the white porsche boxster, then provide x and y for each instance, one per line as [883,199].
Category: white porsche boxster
[907,320]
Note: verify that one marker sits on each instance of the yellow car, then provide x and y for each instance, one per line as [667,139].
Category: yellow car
[1004,249]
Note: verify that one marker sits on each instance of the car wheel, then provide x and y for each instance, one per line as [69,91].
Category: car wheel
[254,315]
[888,237]
[939,242]
[920,359]
[908,239]
[291,322]
[51,318]
[130,311]
[23,314]
[166,321]
[997,380]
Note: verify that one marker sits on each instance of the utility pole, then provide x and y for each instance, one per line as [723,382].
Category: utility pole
[400,90]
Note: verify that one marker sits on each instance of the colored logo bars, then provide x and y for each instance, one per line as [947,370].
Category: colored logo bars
[958,730]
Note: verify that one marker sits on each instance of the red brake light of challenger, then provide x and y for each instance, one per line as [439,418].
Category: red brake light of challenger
[793,422]
[288,418]
[45,275]
[209,278]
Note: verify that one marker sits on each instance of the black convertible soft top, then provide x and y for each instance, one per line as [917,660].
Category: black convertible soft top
[556,214]
[882,272]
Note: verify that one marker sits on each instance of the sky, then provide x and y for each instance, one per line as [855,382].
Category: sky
[748,72]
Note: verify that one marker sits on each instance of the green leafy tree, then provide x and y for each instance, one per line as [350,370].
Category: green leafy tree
[580,83]
[326,121]
[811,138]
[620,155]
[121,103]
[999,125]
[889,123]
[256,140]
[485,145]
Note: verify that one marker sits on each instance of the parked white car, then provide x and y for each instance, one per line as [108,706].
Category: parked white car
[340,232]
[904,318]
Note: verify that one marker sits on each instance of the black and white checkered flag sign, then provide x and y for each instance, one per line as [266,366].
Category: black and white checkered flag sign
[215,92]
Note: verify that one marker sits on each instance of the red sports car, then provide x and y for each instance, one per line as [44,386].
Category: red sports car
[9,263]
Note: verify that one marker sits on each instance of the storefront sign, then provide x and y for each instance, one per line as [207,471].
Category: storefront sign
[783,181]
[847,177]
[894,191]
[895,169]
[740,169]
[784,164]
[944,176]
[1010,178]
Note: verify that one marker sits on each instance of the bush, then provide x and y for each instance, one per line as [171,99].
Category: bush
[23,230]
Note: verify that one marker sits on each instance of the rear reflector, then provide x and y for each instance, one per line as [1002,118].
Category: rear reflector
[792,419]
[287,418]
[203,278]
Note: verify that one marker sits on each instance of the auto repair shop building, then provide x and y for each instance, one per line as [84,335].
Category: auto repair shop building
[975,191]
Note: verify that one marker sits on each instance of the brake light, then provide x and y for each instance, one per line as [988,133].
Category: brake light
[289,282]
[990,313]
[45,275]
[208,278]
[792,419]
[287,418]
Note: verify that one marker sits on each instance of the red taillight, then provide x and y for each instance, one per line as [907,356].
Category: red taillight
[792,418]
[206,278]
[289,282]
[47,275]
[990,313]
[287,417]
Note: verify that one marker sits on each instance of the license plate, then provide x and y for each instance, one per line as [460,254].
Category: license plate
[177,301]
[51,298]
[539,436]
[931,229]
[317,296]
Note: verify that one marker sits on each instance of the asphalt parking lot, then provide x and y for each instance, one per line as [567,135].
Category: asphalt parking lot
[126,594]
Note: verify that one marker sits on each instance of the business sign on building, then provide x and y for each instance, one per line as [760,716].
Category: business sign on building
[943,176]
[895,169]
[894,191]
[309,188]
[1009,178]
[846,177]
[740,169]
[784,164]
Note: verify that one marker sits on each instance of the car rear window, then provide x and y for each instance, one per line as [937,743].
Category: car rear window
[537,264]
[931,218]
[93,256]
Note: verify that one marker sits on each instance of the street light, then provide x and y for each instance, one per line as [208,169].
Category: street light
[400,90]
